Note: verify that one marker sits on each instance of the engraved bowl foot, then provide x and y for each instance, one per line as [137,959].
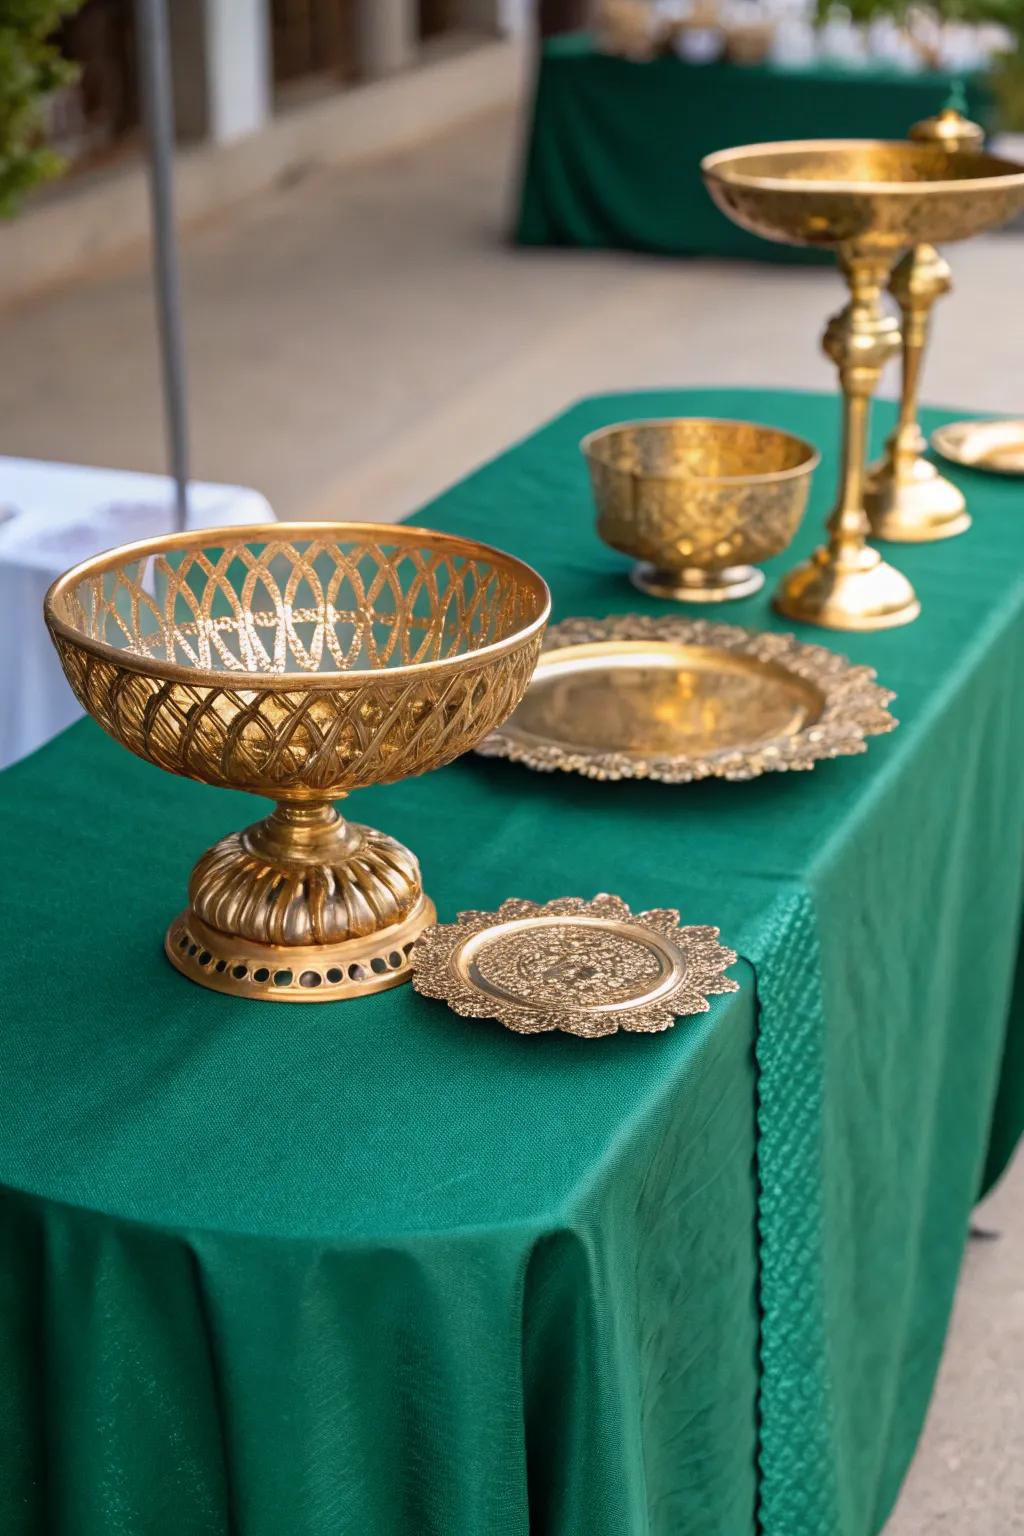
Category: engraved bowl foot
[694,586]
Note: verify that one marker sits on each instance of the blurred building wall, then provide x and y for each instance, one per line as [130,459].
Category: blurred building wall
[238,62]
[265,90]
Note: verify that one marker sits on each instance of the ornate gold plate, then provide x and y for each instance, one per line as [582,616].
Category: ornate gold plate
[995,446]
[638,697]
[584,967]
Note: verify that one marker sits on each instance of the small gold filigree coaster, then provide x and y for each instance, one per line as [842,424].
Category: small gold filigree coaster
[586,967]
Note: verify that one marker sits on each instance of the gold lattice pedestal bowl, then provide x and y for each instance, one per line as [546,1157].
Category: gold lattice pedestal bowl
[698,502]
[300,662]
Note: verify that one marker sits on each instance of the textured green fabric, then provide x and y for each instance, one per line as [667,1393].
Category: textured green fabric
[615,147]
[367,1266]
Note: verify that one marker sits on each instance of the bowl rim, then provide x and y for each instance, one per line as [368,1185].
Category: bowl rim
[712,168]
[175,671]
[590,443]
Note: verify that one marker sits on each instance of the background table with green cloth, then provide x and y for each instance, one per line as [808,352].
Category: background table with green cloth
[614,150]
[368,1266]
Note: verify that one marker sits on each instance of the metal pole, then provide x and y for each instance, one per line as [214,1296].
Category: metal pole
[154,55]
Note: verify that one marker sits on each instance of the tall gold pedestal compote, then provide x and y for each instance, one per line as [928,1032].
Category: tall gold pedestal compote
[300,662]
[869,200]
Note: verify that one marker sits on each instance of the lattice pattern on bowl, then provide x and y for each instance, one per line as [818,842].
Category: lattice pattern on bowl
[304,605]
[303,664]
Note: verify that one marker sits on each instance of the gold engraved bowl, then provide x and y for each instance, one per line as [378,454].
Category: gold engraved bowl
[869,200]
[698,502]
[300,662]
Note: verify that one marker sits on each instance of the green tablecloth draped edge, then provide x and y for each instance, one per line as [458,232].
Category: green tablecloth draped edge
[613,157]
[368,1266]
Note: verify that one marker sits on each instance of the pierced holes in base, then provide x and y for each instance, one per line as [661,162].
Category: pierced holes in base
[239,973]
[205,957]
[378,966]
[282,978]
[261,975]
[183,941]
[395,959]
[193,949]
[334,975]
[310,979]
[221,965]
[357,973]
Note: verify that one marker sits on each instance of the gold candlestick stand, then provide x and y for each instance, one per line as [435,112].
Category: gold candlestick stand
[907,500]
[846,584]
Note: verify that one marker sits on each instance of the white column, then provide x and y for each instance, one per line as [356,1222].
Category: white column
[238,67]
[387,36]
[222,69]
[514,16]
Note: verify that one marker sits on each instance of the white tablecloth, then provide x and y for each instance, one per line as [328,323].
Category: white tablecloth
[64,513]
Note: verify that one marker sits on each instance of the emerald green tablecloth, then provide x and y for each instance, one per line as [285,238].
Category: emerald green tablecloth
[296,1271]
[614,152]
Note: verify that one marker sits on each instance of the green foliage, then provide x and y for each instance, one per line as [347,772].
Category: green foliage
[31,68]
[1010,13]
[1007,72]
[1008,88]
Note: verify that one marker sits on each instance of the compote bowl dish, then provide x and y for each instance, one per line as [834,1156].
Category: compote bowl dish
[869,200]
[299,662]
[697,501]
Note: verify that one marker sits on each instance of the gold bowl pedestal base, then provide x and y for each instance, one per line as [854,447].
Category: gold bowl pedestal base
[850,589]
[302,907]
[299,973]
[695,586]
[914,505]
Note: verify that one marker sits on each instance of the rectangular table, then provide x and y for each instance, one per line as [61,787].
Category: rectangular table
[387,1269]
[614,152]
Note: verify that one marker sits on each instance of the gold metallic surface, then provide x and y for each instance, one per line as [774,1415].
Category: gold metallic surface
[996,446]
[869,200]
[950,129]
[672,699]
[697,501]
[879,195]
[586,968]
[907,500]
[300,662]
[294,974]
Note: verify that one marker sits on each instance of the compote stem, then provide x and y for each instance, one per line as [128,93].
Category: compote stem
[860,340]
[304,831]
[907,499]
[846,584]
[915,309]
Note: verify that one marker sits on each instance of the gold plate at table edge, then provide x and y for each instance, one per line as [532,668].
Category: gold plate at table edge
[586,968]
[854,705]
[954,442]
